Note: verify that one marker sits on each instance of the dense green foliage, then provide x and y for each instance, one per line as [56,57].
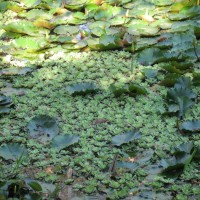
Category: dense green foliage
[107,124]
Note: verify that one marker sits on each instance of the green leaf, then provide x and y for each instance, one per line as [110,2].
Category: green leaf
[190,126]
[163,2]
[142,29]
[150,56]
[25,27]
[31,3]
[134,89]
[66,29]
[181,95]
[43,128]
[109,41]
[102,14]
[173,167]
[127,137]
[12,151]
[183,155]
[196,79]
[16,71]
[35,186]
[170,80]
[131,89]
[150,73]
[185,148]
[5,104]
[118,90]
[82,89]
[62,141]
[128,165]
[30,44]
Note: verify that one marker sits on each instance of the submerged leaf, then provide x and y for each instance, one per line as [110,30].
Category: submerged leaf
[118,140]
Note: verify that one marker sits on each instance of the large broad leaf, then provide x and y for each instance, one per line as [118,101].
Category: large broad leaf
[109,41]
[25,27]
[150,73]
[30,3]
[43,128]
[5,104]
[35,14]
[30,44]
[128,165]
[170,79]
[131,89]
[186,13]
[142,30]
[12,151]
[174,167]
[135,89]
[163,2]
[75,5]
[16,71]
[196,79]
[66,29]
[190,126]
[181,95]
[10,5]
[82,89]
[35,186]
[183,155]
[62,141]
[150,56]
[118,140]
[118,90]
[40,186]
[184,148]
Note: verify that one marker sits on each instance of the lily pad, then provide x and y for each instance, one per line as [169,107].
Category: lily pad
[150,73]
[82,89]
[66,29]
[128,165]
[31,3]
[5,104]
[142,29]
[43,128]
[30,44]
[190,126]
[62,141]
[127,137]
[16,71]
[12,151]
[25,27]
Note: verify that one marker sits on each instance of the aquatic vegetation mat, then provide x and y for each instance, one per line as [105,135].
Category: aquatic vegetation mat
[99,99]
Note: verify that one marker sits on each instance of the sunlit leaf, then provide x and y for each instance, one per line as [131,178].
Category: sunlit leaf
[30,44]
[25,27]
